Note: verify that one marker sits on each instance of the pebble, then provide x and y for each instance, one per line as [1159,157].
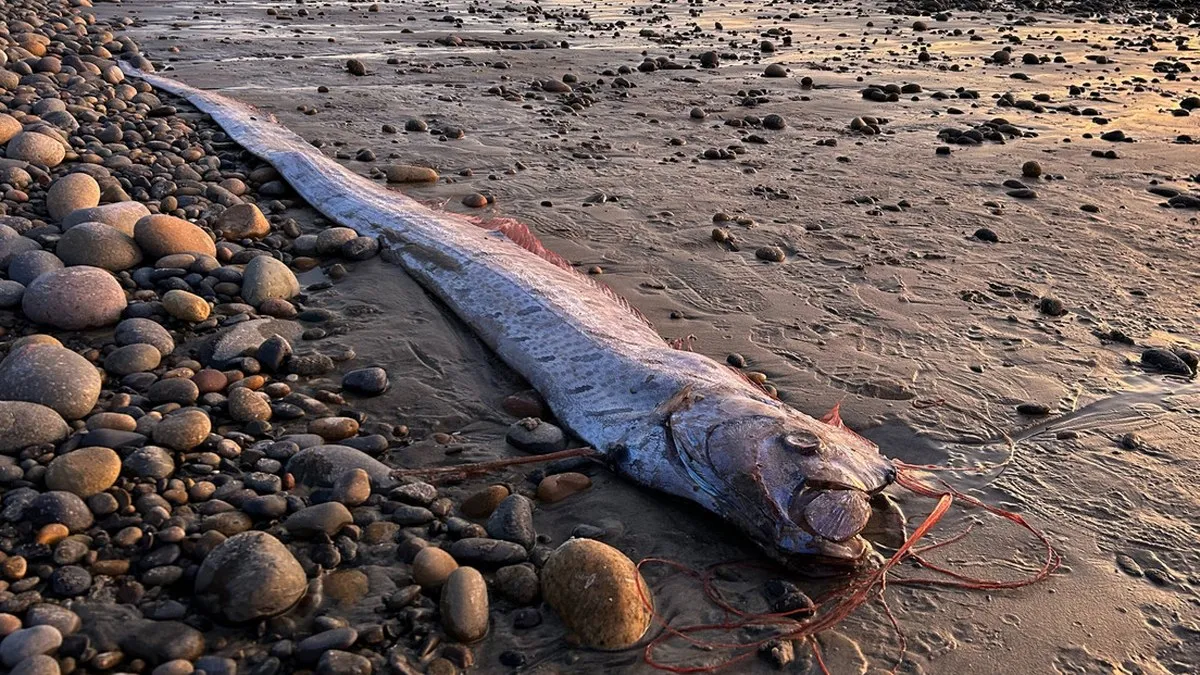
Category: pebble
[74,298]
[512,520]
[1163,360]
[70,193]
[60,507]
[135,358]
[26,266]
[183,430]
[25,424]
[337,662]
[432,566]
[266,278]
[770,254]
[559,486]
[327,518]
[322,465]
[185,306]
[482,503]
[28,642]
[595,590]
[475,200]
[246,405]
[352,488]
[53,376]
[367,381]
[122,216]
[487,552]
[36,148]
[464,605]
[536,436]
[41,664]
[407,173]
[518,583]
[1031,169]
[334,428]
[243,221]
[84,472]
[250,576]
[144,331]
[150,461]
[98,245]
[159,641]
[160,235]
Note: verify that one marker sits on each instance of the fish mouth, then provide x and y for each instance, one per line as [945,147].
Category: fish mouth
[833,516]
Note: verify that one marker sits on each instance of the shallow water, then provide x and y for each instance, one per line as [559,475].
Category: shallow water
[884,310]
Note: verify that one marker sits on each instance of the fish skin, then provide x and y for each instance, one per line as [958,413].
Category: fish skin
[671,420]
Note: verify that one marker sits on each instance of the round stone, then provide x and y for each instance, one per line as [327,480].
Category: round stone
[464,605]
[74,298]
[368,381]
[185,306]
[432,567]
[40,664]
[243,221]
[9,127]
[246,405]
[26,266]
[24,424]
[84,472]
[183,430]
[149,461]
[161,235]
[536,436]
[330,240]
[179,390]
[595,589]
[250,576]
[559,486]
[11,293]
[482,503]
[120,215]
[407,173]
[352,488]
[27,643]
[61,507]
[265,278]
[36,148]
[334,428]
[72,192]
[135,358]
[144,331]
[98,245]
[53,376]
[327,518]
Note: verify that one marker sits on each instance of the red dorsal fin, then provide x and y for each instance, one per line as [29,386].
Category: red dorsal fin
[520,234]
[834,416]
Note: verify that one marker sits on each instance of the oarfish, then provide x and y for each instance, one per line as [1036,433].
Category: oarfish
[669,419]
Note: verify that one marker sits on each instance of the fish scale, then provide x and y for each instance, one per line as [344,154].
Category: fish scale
[602,369]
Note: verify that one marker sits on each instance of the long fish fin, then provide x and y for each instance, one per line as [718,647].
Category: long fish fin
[520,234]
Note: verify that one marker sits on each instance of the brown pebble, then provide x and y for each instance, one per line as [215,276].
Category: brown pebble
[432,566]
[562,485]
[333,428]
[482,503]
[475,200]
[210,381]
[52,534]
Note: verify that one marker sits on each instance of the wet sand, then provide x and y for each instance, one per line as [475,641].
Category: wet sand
[928,336]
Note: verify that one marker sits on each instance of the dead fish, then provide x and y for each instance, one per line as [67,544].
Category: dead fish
[669,419]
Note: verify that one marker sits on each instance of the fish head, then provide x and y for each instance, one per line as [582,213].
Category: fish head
[799,486]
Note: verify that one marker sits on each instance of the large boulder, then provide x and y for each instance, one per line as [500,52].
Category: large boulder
[74,298]
[52,376]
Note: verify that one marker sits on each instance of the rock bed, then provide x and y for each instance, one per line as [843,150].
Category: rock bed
[182,485]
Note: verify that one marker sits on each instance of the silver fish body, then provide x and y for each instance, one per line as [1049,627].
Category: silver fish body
[672,420]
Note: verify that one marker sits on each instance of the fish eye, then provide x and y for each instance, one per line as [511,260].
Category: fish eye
[802,441]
